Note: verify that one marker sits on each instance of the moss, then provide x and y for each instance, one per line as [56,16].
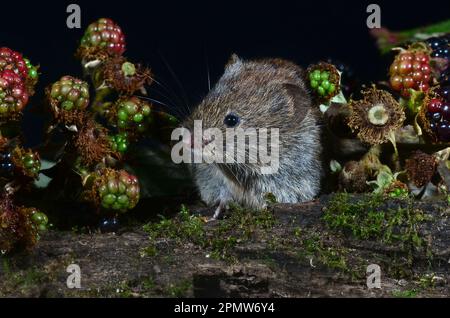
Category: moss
[427,281]
[370,218]
[148,283]
[405,293]
[297,232]
[219,240]
[313,247]
[22,282]
[179,290]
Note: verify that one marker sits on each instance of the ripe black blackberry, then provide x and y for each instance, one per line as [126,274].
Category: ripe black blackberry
[6,165]
[440,50]
[440,46]
[349,81]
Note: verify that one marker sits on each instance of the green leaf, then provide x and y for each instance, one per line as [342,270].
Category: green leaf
[335,166]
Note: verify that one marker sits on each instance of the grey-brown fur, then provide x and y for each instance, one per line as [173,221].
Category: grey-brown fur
[265,94]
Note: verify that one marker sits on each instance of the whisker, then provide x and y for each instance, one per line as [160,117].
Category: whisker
[166,88]
[171,106]
[207,70]
[172,110]
[180,85]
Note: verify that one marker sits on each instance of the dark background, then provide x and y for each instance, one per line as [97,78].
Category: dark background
[192,37]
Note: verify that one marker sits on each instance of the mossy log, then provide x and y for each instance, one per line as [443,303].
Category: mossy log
[290,250]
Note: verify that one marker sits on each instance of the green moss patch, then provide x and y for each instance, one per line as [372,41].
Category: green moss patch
[370,217]
[220,240]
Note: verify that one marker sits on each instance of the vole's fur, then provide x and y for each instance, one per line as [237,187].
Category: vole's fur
[267,93]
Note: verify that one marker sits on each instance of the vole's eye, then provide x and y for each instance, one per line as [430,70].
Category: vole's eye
[231,120]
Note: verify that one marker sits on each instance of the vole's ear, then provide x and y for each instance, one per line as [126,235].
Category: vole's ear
[299,100]
[234,63]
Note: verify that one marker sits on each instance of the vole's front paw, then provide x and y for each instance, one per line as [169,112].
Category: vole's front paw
[219,211]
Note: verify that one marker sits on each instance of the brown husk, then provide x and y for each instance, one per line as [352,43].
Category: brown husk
[359,121]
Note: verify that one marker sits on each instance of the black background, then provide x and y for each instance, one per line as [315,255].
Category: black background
[192,37]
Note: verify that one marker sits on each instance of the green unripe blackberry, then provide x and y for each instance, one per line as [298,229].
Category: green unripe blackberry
[324,80]
[114,190]
[132,114]
[39,219]
[119,142]
[26,162]
[68,94]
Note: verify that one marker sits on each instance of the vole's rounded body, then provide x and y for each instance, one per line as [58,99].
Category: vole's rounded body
[262,94]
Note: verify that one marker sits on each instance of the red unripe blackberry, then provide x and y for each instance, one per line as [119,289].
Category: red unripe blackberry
[13,94]
[104,34]
[12,60]
[410,70]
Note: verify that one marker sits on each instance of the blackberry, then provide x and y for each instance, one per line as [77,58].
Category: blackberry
[443,131]
[39,219]
[324,80]
[439,46]
[13,94]
[102,39]
[69,93]
[26,162]
[119,142]
[349,80]
[109,225]
[114,189]
[411,70]
[32,70]
[444,77]
[11,60]
[14,61]
[444,92]
[132,114]
[6,165]
[19,227]
[437,115]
